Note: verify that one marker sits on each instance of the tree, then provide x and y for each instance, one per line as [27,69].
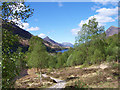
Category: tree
[16,11]
[91,37]
[12,11]
[11,58]
[69,60]
[89,32]
[97,57]
[37,57]
[52,61]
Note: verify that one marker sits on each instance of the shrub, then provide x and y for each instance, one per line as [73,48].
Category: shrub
[110,58]
[115,65]
[79,84]
[97,57]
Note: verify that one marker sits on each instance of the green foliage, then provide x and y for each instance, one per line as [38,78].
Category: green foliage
[62,59]
[110,58]
[37,55]
[115,65]
[79,84]
[52,62]
[89,32]
[92,46]
[97,57]
[12,57]
[111,50]
[69,60]
[75,58]
[16,11]
[33,41]
[10,41]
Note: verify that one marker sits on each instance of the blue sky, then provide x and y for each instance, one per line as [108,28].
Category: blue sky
[62,20]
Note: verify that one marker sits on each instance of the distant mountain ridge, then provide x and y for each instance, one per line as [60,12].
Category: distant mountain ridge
[67,44]
[52,42]
[24,37]
[49,43]
[64,44]
[112,30]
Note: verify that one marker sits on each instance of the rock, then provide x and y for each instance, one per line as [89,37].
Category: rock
[104,66]
[54,81]
[109,78]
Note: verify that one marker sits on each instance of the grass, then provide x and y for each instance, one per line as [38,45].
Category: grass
[100,78]
[80,84]
[77,84]
[95,78]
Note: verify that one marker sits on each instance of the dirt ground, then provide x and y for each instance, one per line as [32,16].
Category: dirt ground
[29,79]
[95,76]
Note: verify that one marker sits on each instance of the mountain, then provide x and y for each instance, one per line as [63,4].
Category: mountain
[24,37]
[111,31]
[52,42]
[17,30]
[56,44]
[67,44]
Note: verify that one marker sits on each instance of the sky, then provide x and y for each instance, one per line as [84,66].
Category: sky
[62,20]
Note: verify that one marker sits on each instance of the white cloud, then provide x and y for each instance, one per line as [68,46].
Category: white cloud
[107,11]
[104,15]
[41,35]
[105,2]
[25,25]
[95,7]
[33,29]
[21,24]
[75,31]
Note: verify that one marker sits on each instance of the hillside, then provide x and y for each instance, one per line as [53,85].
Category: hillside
[24,37]
[52,42]
[17,30]
[72,66]
[56,44]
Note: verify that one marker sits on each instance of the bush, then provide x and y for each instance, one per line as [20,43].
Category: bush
[97,57]
[110,58]
[114,65]
[79,84]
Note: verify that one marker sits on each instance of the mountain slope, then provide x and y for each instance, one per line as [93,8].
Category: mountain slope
[17,30]
[24,37]
[111,31]
[52,42]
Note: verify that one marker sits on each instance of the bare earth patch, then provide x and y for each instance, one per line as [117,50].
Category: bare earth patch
[32,81]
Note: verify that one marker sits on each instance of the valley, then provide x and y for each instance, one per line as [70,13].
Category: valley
[52,51]
[64,67]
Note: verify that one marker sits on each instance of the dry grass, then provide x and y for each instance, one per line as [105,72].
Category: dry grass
[95,76]
[32,81]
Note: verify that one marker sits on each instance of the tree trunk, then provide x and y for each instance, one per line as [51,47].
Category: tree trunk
[40,76]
